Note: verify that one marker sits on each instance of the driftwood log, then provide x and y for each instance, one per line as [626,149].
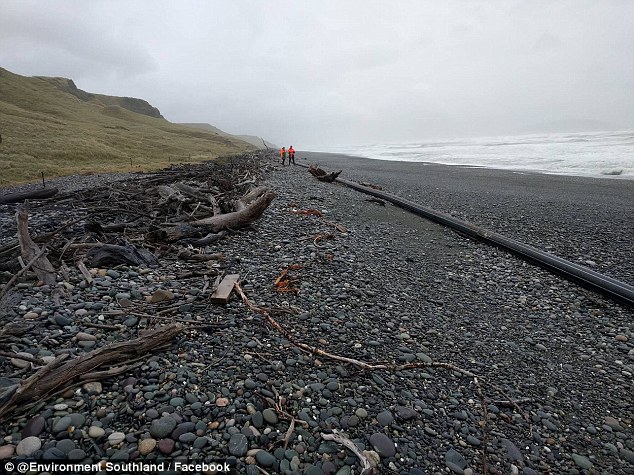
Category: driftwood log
[60,375]
[31,251]
[40,194]
[199,195]
[250,208]
[322,175]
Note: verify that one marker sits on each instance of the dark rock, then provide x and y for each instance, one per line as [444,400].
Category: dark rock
[264,458]
[162,427]
[238,445]
[383,445]
[35,426]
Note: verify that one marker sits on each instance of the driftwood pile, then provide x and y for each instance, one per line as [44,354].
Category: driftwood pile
[175,214]
[135,221]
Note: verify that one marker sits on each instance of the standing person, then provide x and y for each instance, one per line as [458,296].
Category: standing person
[283,154]
[291,155]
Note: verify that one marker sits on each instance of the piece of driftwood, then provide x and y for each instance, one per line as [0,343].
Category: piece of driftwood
[199,196]
[241,218]
[223,292]
[366,464]
[57,375]
[40,194]
[215,224]
[322,175]
[30,251]
[252,195]
[206,240]
[95,227]
[112,255]
[167,193]
[84,271]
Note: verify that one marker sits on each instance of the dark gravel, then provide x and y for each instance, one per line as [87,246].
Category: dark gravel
[586,220]
[393,288]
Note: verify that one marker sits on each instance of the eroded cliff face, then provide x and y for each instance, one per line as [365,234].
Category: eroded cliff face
[133,104]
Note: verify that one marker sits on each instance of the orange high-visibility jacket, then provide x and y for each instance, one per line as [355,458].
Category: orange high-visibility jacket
[291,150]
[282,151]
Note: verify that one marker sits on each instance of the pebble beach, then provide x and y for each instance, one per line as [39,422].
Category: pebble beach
[368,282]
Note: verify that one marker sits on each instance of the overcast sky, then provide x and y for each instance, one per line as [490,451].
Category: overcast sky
[322,73]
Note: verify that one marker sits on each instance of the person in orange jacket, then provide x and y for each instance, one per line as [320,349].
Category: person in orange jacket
[283,154]
[291,155]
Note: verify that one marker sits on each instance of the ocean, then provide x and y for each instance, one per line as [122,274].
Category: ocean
[604,154]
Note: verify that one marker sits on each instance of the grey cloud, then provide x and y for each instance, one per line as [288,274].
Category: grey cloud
[76,39]
[326,72]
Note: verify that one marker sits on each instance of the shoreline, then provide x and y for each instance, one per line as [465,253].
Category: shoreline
[469,166]
[607,176]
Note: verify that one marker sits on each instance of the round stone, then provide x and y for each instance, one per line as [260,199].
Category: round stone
[116,438]
[383,445]
[82,336]
[582,461]
[93,388]
[162,427]
[385,418]
[6,451]
[166,446]
[66,445]
[76,455]
[270,416]
[28,446]
[264,458]
[95,432]
[146,446]
[62,424]
[35,426]
[177,401]
[19,363]
[455,461]
[405,413]
[238,445]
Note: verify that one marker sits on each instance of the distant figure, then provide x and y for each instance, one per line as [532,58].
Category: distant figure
[283,154]
[291,155]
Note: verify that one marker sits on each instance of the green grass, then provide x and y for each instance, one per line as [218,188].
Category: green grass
[49,126]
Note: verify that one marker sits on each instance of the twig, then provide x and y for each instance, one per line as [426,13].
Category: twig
[289,433]
[17,275]
[485,427]
[42,266]
[262,470]
[373,366]
[103,326]
[84,271]
[366,465]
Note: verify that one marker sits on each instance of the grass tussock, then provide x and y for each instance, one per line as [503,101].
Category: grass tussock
[49,126]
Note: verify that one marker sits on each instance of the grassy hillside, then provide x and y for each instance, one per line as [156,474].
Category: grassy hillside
[48,125]
[252,139]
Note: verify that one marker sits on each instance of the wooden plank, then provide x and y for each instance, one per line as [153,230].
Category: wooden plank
[223,292]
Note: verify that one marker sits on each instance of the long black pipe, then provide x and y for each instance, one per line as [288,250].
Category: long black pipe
[582,275]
